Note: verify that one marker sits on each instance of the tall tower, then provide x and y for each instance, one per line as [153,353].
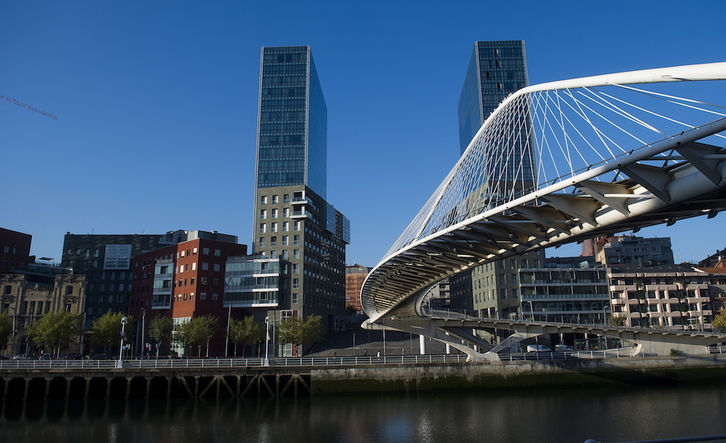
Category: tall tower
[496,70]
[292,219]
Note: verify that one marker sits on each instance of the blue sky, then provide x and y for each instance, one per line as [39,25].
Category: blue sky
[157,103]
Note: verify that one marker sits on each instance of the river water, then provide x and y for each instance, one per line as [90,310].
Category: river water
[537,415]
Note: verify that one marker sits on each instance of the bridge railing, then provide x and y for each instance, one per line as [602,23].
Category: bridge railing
[412,359]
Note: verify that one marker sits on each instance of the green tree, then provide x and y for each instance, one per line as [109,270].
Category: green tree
[298,332]
[107,329]
[198,331]
[719,322]
[245,332]
[160,329]
[617,320]
[56,330]
[6,327]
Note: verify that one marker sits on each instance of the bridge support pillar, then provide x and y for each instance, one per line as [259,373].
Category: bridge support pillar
[422,344]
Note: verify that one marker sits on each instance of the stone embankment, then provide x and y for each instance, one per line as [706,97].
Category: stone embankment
[520,374]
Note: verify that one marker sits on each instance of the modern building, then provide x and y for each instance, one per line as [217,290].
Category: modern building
[496,70]
[292,219]
[638,251]
[14,250]
[670,296]
[355,275]
[183,281]
[566,289]
[107,263]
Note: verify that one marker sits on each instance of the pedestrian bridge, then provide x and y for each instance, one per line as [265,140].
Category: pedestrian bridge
[561,162]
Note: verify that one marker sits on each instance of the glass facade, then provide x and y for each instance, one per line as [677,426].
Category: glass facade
[254,282]
[496,70]
[293,221]
[292,121]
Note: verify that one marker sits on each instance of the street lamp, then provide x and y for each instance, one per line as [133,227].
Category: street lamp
[120,363]
[143,335]
[14,345]
[604,315]
[267,340]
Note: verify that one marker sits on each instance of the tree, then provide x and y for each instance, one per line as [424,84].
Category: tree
[617,320]
[245,332]
[6,327]
[197,331]
[719,322]
[160,329]
[57,330]
[107,329]
[298,332]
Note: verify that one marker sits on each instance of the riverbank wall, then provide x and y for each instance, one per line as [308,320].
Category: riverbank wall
[294,381]
[520,374]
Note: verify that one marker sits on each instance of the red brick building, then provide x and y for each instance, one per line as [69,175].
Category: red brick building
[182,281]
[14,250]
[354,277]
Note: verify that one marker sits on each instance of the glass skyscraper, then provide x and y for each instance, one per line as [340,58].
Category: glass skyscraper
[293,121]
[292,220]
[496,69]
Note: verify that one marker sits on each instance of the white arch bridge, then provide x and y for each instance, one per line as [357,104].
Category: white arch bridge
[556,163]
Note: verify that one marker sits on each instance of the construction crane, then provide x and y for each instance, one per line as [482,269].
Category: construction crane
[39,111]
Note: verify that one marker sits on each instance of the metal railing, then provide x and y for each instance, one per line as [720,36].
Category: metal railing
[235,362]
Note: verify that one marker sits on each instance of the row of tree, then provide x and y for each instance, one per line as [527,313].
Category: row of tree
[58,330]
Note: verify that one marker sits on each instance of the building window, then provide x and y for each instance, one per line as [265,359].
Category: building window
[294,297]
[215,296]
[286,198]
[263,213]
[296,253]
[263,200]
[297,225]
[274,213]
[273,227]
[273,240]
[205,251]
[217,267]
[217,252]
[295,283]
[286,212]
[296,240]
[274,199]
[285,226]
[202,296]
[263,228]
[205,266]
[261,243]
[284,240]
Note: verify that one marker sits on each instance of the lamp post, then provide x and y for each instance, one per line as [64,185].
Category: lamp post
[120,363]
[143,330]
[267,340]
[14,345]
[226,340]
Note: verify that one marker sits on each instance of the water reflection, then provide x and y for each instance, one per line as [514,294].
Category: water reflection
[565,415]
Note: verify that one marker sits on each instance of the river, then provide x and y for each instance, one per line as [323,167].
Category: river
[537,415]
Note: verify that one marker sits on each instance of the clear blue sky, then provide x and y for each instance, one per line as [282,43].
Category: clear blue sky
[157,103]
